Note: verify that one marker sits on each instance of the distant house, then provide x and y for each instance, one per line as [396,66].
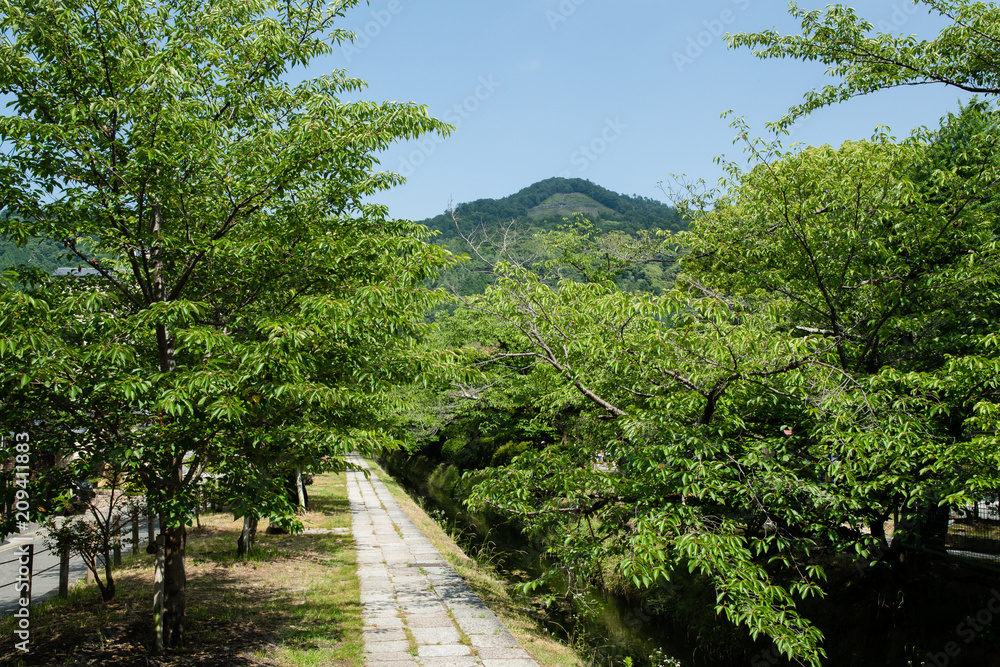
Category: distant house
[76,272]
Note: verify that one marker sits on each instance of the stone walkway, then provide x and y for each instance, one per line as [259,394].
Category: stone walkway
[417,610]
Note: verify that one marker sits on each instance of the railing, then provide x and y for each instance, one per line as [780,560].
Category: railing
[27,553]
[974,531]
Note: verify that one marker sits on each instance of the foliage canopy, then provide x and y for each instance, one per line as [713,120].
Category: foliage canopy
[251,305]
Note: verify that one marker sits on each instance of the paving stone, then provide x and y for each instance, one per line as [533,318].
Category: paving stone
[389,657]
[422,608]
[416,594]
[384,634]
[429,621]
[452,591]
[441,650]
[493,641]
[373,584]
[506,653]
[450,661]
[383,622]
[382,601]
[386,647]
[439,580]
[426,598]
[398,559]
[469,612]
[457,598]
[370,558]
[392,663]
[489,662]
[436,635]
[480,626]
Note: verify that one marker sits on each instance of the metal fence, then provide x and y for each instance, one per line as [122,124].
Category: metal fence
[25,555]
[974,531]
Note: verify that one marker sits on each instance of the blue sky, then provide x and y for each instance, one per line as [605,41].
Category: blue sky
[621,93]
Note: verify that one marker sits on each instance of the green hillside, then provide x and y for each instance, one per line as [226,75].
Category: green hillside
[44,254]
[545,207]
[537,205]
[41,253]
[566,204]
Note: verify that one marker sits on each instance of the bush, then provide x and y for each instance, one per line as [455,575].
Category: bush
[506,453]
[468,454]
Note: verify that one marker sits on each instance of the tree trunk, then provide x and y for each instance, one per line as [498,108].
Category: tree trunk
[108,590]
[932,525]
[93,565]
[244,544]
[174,583]
[174,536]
[300,490]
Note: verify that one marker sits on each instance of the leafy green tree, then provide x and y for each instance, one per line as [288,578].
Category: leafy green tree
[817,372]
[252,300]
[667,465]
[962,54]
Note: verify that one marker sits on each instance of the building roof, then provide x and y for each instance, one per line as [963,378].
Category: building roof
[76,271]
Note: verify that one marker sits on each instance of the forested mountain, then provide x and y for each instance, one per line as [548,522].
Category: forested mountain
[548,202]
[45,254]
[540,210]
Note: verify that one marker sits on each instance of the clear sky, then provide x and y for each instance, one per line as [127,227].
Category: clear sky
[622,93]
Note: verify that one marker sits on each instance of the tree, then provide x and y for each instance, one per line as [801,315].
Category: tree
[95,533]
[962,55]
[685,400]
[888,251]
[249,295]
[962,154]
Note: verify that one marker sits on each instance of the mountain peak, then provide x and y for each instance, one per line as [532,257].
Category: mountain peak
[547,203]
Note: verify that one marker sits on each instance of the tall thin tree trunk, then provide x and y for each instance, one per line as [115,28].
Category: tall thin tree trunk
[174,533]
[174,583]
[108,590]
